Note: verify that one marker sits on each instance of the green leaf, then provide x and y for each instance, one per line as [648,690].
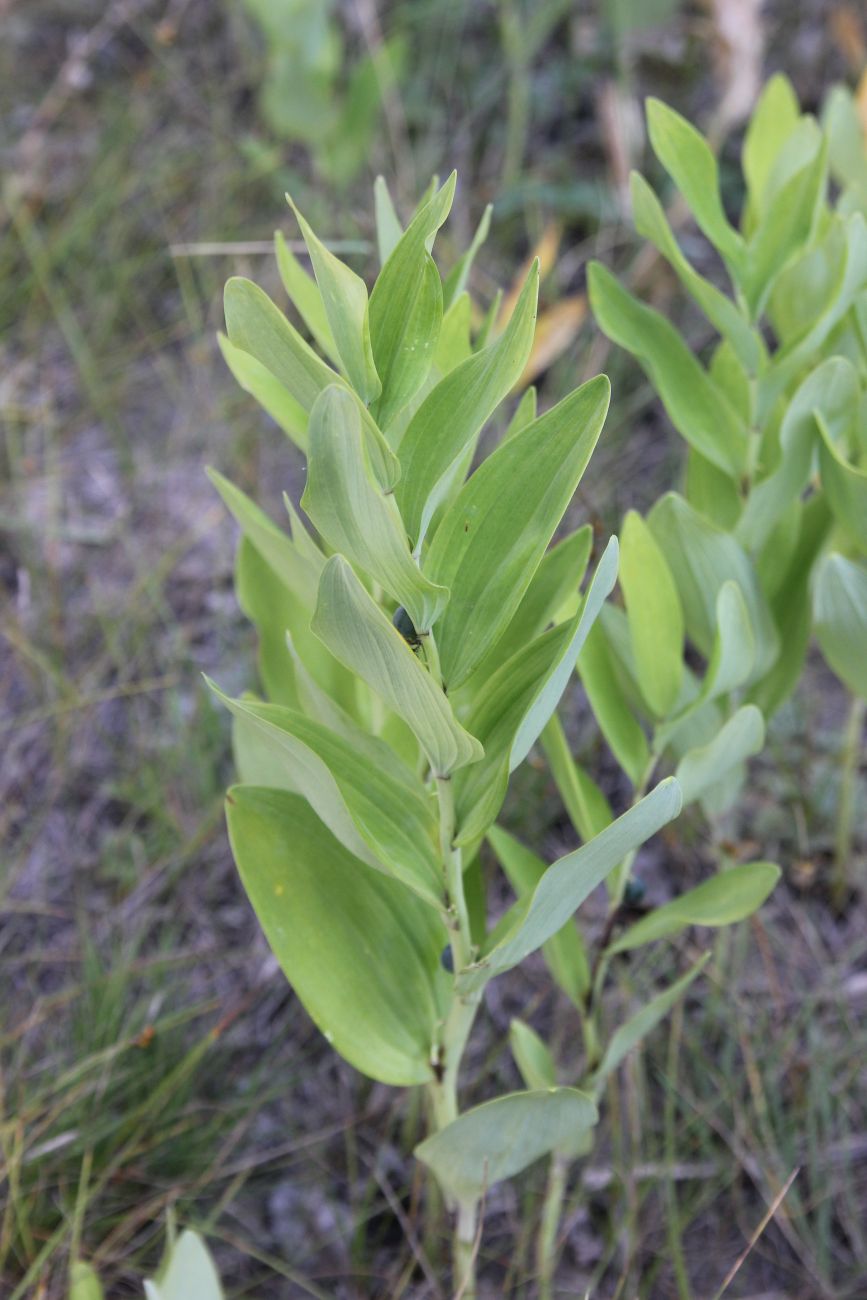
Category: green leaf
[553,682]
[500,1138]
[701,769]
[652,223]
[631,1033]
[354,516]
[388,227]
[611,709]
[588,809]
[553,594]
[454,345]
[565,952]
[512,709]
[711,491]
[843,291]
[494,534]
[570,880]
[532,1057]
[840,619]
[406,309]
[773,121]
[654,615]
[525,413]
[361,952]
[255,325]
[344,296]
[686,156]
[789,220]
[791,609]
[734,649]
[844,484]
[456,280]
[697,408]
[84,1283]
[451,416]
[358,634]
[845,134]
[189,1271]
[379,814]
[832,391]
[702,557]
[267,390]
[277,550]
[725,899]
[304,294]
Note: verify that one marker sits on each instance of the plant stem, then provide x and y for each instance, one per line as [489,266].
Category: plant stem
[458,1022]
[552,1210]
[840,879]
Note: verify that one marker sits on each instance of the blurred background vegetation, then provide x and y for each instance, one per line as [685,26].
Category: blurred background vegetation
[151,1056]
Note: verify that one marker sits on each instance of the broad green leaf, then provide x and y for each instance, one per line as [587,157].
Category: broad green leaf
[532,1057]
[494,534]
[84,1283]
[565,952]
[702,557]
[344,296]
[701,769]
[388,227]
[189,1272]
[514,706]
[257,326]
[357,633]
[611,708]
[630,1034]
[354,516]
[570,880]
[831,390]
[588,809]
[686,156]
[788,223]
[489,321]
[501,1137]
[803,289]
[840,619]
[272,609]
[844,484]
[385,820]
[725,899]
[652,223]
[456,280]
[267,390]
[451,416]
[361,952]
[774,118]
[696,407]
[654,615]
[305,296]
[406,310]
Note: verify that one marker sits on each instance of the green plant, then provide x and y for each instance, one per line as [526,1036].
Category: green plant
[187,1270]
[775,484]
[413,652]
[304,98]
